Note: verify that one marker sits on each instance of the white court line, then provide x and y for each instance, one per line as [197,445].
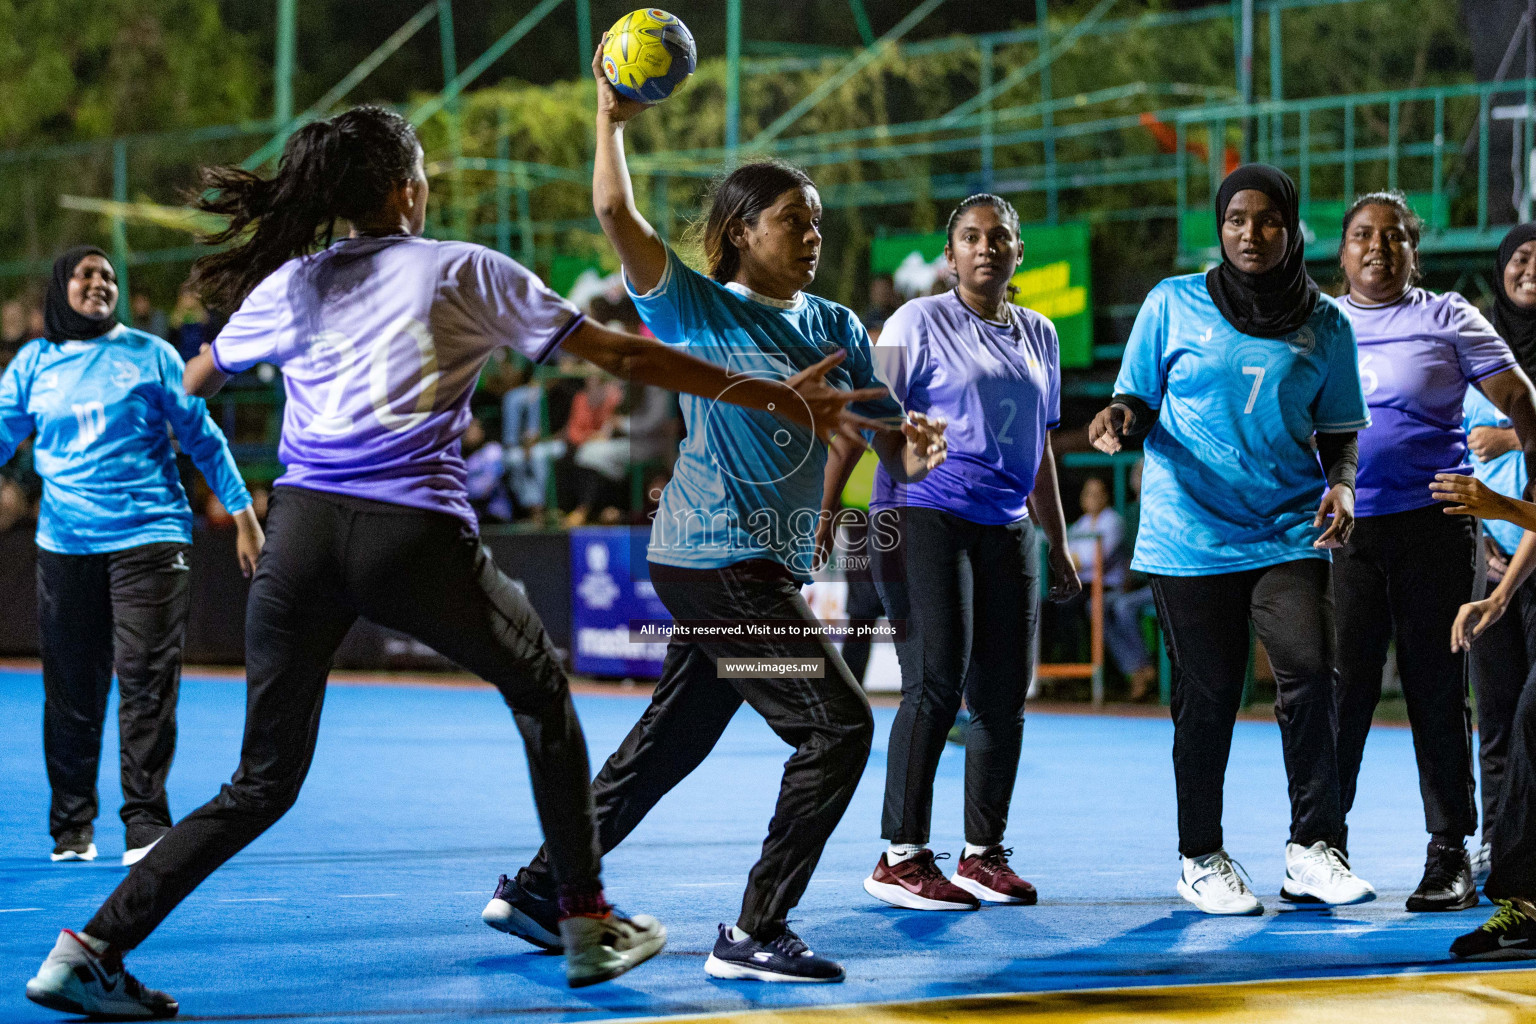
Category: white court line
[19,910]
[701,885]
[254,899]
[367,895]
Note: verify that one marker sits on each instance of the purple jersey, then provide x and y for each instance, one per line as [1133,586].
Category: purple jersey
[1417,357]
[998,384]
[381,341]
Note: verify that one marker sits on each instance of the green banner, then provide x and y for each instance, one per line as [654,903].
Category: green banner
[1052,280]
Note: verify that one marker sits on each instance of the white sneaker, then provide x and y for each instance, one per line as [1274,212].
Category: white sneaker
[132,857]
[76,979]
[1482,860]
[1213,884]
[601,948]
[1319,874]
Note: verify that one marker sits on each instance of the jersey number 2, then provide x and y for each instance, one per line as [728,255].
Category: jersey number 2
[1257,372]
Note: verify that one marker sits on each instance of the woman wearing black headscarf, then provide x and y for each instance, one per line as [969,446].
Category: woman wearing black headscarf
[1239,378]
[113,536]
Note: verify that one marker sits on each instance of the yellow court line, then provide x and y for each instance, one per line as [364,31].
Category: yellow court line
[1468,997]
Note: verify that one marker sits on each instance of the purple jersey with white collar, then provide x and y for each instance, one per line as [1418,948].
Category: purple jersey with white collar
[999,386]
[1417,357]
[381,341]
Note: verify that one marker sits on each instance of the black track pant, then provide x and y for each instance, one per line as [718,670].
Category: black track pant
[1205,622]
[126,609]
[1405,575]
[826,720]
[970,598]
[327,561]
[1513,834]
[1503,664]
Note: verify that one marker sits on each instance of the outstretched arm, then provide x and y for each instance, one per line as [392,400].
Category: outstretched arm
[640,249]
[1469,496]
[819,405]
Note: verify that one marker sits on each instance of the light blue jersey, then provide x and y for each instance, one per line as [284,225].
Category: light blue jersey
[1231,479]
[100,409]
[1505,474]
[748,484]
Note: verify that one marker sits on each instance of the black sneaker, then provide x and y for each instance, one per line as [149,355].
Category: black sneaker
[785,958]
[1510,934]
[517,911]
[74,844]
[1447,883]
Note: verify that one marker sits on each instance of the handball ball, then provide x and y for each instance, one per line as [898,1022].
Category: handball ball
[648,54]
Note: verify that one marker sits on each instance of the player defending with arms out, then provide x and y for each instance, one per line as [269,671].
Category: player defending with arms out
[733,540]
[1234,376]
[1510,934]
[381,337]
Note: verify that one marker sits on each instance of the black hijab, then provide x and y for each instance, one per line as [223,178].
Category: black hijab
[1277,302]
[60,320]
[1515,325]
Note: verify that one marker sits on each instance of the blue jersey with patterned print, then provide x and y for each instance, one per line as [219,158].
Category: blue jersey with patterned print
[748,484]
[100,409]
[1231,479]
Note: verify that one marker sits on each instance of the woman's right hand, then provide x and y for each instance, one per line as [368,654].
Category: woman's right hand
[1498,561]
[1488,443]
[1473,618]
[612,107]
[1109,427]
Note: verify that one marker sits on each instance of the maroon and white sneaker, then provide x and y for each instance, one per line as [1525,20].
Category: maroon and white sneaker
[917,884]
[987,876]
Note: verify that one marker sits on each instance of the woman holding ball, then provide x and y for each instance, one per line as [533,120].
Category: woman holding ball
[734,538]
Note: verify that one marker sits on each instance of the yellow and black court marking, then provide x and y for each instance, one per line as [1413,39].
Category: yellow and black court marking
[1463,997]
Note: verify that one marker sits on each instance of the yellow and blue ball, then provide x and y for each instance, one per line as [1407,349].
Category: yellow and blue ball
[648,54]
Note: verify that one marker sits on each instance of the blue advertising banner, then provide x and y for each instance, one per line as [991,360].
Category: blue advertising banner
[610,586]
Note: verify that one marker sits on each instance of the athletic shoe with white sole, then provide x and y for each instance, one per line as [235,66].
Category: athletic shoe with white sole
[988,877]
[77,979]
[1510,934]
[142,839]
[785,958]
[516,911]
[1320,874]
[600,947]
[1213,885]
[74,844]
[917,884]
[1482,860]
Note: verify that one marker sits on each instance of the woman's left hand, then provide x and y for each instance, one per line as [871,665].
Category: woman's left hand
[1338,505]
[1065,584]
[927,447]
[248,540]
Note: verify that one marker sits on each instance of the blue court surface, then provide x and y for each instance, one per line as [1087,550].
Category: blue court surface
[364,902]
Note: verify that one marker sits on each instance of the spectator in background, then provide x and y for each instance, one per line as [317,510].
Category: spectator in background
[485,472]
[1123,610]
[188,323]
[1098,523]
[592,418]
[883,301]
[146,317]
[15,328]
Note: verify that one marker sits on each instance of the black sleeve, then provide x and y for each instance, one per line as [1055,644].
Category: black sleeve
[1340,455]
[1142,414]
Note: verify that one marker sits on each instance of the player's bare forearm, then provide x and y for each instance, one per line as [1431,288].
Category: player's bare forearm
[843,455]
[1045,501]
[640,249]
[202,378]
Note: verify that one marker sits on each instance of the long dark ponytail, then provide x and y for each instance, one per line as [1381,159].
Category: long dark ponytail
[339,169]
[746,192]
